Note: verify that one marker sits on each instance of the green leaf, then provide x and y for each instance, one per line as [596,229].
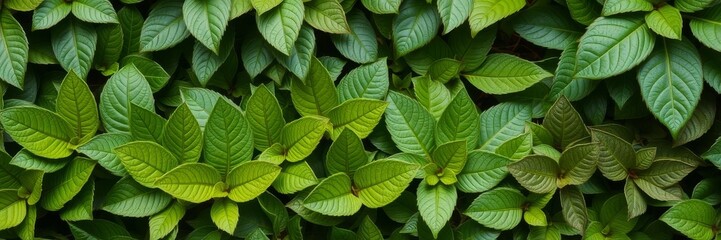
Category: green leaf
[224,214]
[535,216]
[694,218]
[444,69]
[410,125]
[487,12]
[414,27]
[548,26]
[131,22]
[502,122]
[26,229]
[162,223]
[265,118]
[280,26]
[574,207]
[301,136]
[127,86]
[40,131]
[333,197]
[451,156]
[81,206]
[201,102]
[453,13]
[182,135]
[275,210]
[206,20]
[584,11]
[504,73]
[613,7]
[499,208]
[228,138]
[74,44]
[664,173]
[460,120]
[366,81]
[12,208]
[578,163]
[98,229]
[31,182]
[665,21]
[295,177]
[482,171]
[206,63]
[608,39]
[164,27]
[145,124]
[564,83]
[327,16]
[50,13]
[255,54]
[656,192]
[671,83]
[100,148]
[109,47]
[700,121]
[346,154]
[564,123]
[359,45]
[23,5]
[382,181]
[382,7]
[613,215]
[634,199]
[26,160]
[692,5]
[359,115]
[516,148]
[433,95]
[262,6]
[13,50]
[368,230]
[145,161]
[471,51]
[94,11]
[299,60]
[436,204]
[60,187]
[130,199]
[192,182]
[250,179]
[536,173]
[155,74]
[317,95]
[616,155]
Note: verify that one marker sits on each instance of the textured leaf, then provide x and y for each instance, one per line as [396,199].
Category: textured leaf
[164,27]
[23,5]
[206,63]
[499,208]
[224,214]
[152,71]
[265,118]
[444,69]
[40,131]
[382,181]
[578,163]
[98,229]
[109,46]
[300,137]
[367,81]
[483,171]
[11,175]
[665,21]
[453,13]
[74,44]
[665,173]
[656,192]
[280,26]
[100,148]
[574,207]
[131,22]
[255,54]
[460,120]
[228,138]
[503,122]
[317,95]
[81,206]
[12,207]
[251,179]
[333,197]
[299,60]
[671,83]
[295,177]
[451,156]
[584,11]
[410,125]
[182,135]
[127,86]
[60,187]
[536,173]
[516,148]
[504,73]
[692,5]
[50,13]
[262,6]
[346,154]
[206,20]
[26,160]
[625,41]
[145,161]
[548,26]
[436,205]
[162,223]
[382,7]
[368,230]
[634,199]
[275,210]
[564,123]
[192,182]
[694,218]
[699,123]
[415,26]
[129,198]
[432,95]
[359,44]
[146,125]
[13,50]
[359,115]
[94,11]
[612,7]
[564,83]
[201,103]
[471,51]
[616,155]
[327,16]
[487,12]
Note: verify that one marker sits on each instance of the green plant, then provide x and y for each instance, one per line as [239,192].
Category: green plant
[370,119]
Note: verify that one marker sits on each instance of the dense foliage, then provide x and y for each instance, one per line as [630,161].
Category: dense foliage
[360,119]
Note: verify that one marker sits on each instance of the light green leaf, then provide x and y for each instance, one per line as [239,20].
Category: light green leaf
[410,125]
[327,16]
[206,63]
[130,199]
[535,216]
[453,13]
[155,74]
[487,12]
[182,135]
[26,229]
[536,173]
[548,26]
[317,95]
[60,187]
[382,7]
[23,5]
[333,197]
[100,148]
[11,175]
[436,204]
[656,192]
[295,177]
[564,123]
[634,199]
[433,95]
[671,83]
[359,115]
[40,131]
[516,148]
[460,120]
[74,44]
[414,27]
[499,208]
[693,5]
[616,155]
[299,60]
[265,118]
[359,45]
[127,86]
[164,222]
[573,207]
[564,83]
[578,163]
[145,161]
[664,173]
[26,160]
[228,138]
[346,154]
[94,11]
[206,20]
[368,230]
[694,218]
[665,21]
[13,50]
[300,137]
[12,208]
[612,7]
[444,69]
[504,73]
[503,122]
[201,102]
[164,27]
[250,179]
[81,206]
[609,39]
[584,11]
[482,171]
[366,81]
[192,182]
[450,156]
[49,13]
[224,214]
[262,6]
[280,26]
[145,124]
[255,54]
[382,181]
